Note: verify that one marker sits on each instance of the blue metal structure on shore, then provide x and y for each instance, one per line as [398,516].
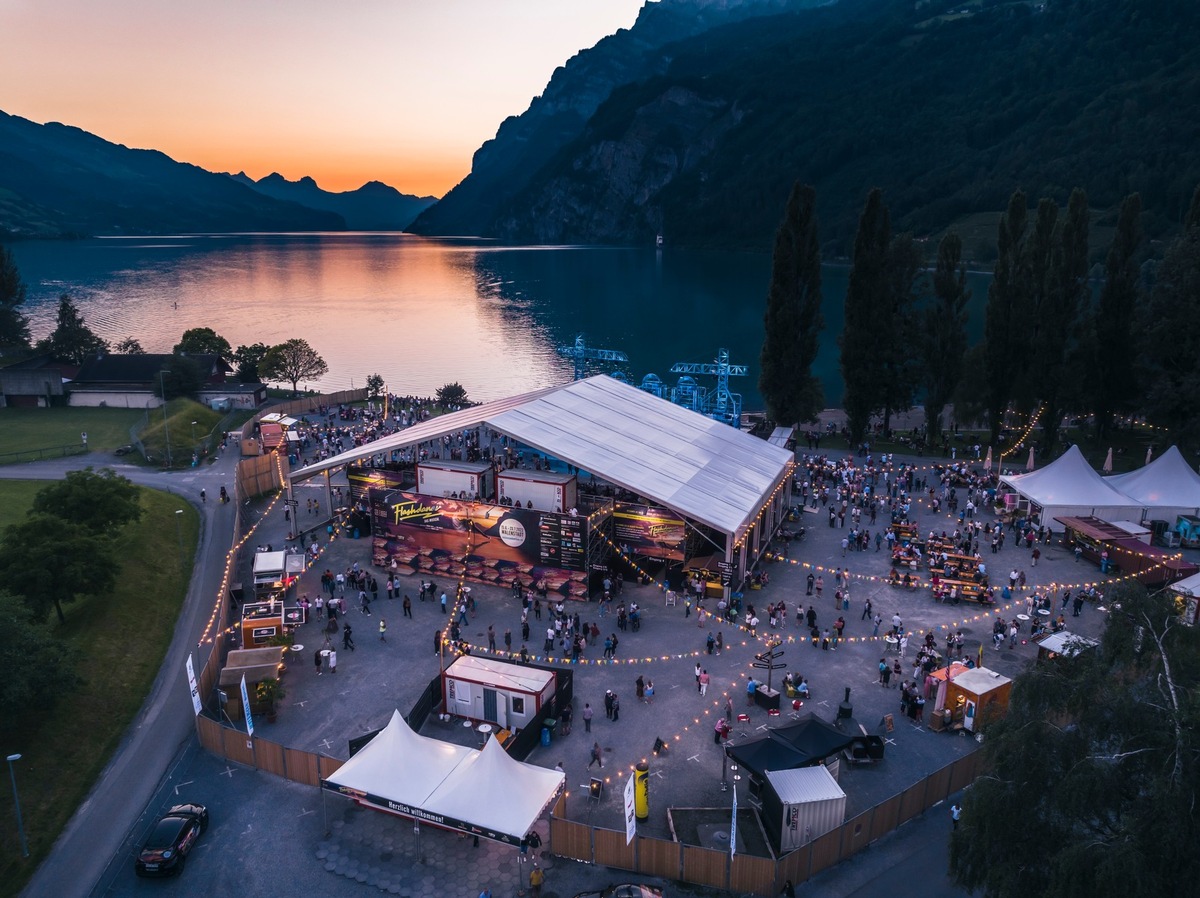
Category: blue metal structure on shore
[581,354]
[720,403]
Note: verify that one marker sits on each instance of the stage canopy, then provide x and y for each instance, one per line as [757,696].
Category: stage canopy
[1167,487]
[1069,486]
[482,792]
[707,471]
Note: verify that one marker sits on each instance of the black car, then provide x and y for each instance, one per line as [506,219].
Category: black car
[625,890]
[172,840]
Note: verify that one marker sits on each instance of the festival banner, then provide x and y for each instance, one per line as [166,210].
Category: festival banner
[480,541]
[649,531]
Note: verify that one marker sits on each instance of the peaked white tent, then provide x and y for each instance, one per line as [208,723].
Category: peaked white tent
[482,792]
[1167,487]
[1069,487]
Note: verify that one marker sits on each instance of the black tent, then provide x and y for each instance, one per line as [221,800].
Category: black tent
[804,743]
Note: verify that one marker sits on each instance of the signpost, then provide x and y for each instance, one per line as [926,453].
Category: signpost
[766,661]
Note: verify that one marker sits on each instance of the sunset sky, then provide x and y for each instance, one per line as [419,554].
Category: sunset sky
[400,91]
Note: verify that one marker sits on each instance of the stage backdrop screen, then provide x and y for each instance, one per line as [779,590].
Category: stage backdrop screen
[649,531]
[433,536]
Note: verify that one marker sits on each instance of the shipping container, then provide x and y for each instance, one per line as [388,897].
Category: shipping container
[801,805]
[457,479]
[546,490]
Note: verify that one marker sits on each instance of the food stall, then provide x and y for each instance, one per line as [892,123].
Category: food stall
[1063,644]
[968,698]
[275,572]
[1117,552]
[510,696]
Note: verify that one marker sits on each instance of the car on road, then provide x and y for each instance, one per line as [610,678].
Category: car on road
[123,450]
[174,836]
[624,890]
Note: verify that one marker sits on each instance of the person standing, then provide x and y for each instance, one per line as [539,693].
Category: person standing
[616,709]
[317,661]
[955,814]
[536,878]
[608,704]
[333,660]
[407,606]
[382,630]
[587,717]
[697,677]
[640,688]
[704,681]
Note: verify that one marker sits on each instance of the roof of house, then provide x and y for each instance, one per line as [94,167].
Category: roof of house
[140,368]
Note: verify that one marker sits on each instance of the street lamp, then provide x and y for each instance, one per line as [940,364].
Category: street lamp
[17,802]
[179,535]
[194,423]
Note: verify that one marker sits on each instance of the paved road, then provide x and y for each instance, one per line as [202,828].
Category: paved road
[98,827]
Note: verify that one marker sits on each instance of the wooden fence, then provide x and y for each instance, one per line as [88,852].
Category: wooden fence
[757,875]
[263,754]
[301,406]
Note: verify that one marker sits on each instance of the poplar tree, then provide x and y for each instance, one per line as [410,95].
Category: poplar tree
[792,322]
[1064,302]
[863,334]
[1002,325]
[14,326]
[1171,342]
[944,335]
[1113,363]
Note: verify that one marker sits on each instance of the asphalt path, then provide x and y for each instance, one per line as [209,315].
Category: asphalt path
[98,828]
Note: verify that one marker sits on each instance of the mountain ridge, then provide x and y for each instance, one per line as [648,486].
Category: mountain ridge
[375,206]
[59,180]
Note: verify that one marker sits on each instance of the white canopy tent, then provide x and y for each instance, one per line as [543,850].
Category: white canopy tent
[1166,487]
[1069,487]
[479,791]
[702,468]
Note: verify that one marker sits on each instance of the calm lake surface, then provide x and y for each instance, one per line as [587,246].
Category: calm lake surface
[426,312]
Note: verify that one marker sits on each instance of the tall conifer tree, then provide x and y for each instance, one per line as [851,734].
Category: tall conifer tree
[1002,327]
[792,322]
[1113,368]
[944,336]
[866,296]
[1064,301]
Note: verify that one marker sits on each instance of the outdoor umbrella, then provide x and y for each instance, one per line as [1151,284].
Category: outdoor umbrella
[987,462]
[1029,464]
[1107,466]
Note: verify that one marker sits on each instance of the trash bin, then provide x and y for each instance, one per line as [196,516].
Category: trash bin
[356,533]
[548,726]
[545,736]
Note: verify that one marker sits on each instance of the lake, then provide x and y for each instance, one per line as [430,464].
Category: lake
[424,312]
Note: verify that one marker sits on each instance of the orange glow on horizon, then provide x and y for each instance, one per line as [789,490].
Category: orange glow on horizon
[402,93]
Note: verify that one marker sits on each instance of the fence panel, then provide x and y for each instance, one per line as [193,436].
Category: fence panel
[794,866]
[964,772]
[212,735]
[301,766]
[886,819]
[328,766]
[703,866]
[269,756]
[826,851]
[752,874]
[658,857]
[856,832]
[937,786]
[912,802]
[610,849]
[237,747]
[570,839]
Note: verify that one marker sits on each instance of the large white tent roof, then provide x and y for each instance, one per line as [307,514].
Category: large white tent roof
[1167,482]
[1069,485]
[701,468]
[482,791]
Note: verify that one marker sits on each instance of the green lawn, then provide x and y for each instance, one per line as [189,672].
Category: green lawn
[25,429]
[16,498]
[184,436]
[121,640]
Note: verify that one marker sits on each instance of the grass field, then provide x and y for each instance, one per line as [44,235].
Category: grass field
[185,437]
[22,429]
[121,640]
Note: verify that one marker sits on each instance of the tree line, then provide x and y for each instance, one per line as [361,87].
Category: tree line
[72,341]
[1052,343]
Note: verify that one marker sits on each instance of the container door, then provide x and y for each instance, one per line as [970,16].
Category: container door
[489,705]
